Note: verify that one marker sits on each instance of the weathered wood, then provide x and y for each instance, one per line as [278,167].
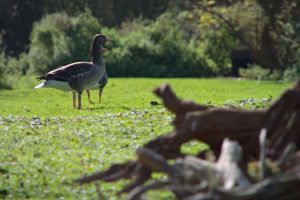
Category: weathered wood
[155,161]
[228,166]
[174,104]
[189,171]
[137,192]
[276,188]
[115,172]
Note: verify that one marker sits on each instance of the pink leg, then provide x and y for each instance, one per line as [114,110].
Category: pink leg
[100,94]
[79,100]
[89,96]
[74,100]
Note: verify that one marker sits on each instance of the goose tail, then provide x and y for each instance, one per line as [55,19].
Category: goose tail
[40,85]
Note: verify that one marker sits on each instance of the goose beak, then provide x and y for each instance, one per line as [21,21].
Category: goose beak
[109,39]
[103,50]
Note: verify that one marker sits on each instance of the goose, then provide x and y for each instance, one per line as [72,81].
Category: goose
[102,83]
[79,76]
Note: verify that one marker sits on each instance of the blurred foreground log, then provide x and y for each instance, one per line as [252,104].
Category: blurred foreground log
[268,139]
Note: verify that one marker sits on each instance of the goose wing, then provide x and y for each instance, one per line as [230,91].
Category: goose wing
[66,72]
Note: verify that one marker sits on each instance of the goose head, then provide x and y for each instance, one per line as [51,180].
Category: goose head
[98,42]
[97,47]
[100,39]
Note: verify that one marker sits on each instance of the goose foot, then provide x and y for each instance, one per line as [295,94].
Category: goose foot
[89,97]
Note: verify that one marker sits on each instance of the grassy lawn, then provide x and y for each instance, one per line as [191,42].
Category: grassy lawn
[45,143]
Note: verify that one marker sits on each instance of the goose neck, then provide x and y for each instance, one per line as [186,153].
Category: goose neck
[96,53]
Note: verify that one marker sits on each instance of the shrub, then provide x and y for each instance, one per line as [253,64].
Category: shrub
[2,69]
[17,66]
[59,39]
[156,49]
[255,72]
[217,42]
[166,47]
[292,73]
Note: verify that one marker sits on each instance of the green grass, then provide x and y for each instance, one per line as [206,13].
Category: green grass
[45,143]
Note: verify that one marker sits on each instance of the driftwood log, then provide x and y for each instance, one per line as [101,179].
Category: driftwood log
[268,138]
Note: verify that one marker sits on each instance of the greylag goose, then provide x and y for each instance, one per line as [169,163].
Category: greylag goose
[79,76]
[100,86]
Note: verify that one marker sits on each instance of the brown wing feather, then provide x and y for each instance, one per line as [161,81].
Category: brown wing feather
[64,73]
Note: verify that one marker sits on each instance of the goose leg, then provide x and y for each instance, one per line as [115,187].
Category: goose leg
[74,100]
[79,100]
[89,96]
[100,94]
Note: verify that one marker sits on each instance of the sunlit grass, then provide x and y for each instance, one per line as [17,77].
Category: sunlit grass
[45,143]
[123,94]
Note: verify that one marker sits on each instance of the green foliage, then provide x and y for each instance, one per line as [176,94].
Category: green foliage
[217,42]
[255,72]
[276,33]
[59,39]
[17,17]
[249,103]
[270,29]
[157,49]
[187,41]
[292,73]
[11,68]
[3,63]
[17,66]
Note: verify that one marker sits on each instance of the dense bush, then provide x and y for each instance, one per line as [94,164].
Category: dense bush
[14,67]
[185,38]
[292,73]
[3,63]
[217,42]
[17,17]
[171,46]
[255,72]
[156,49]
[59,39]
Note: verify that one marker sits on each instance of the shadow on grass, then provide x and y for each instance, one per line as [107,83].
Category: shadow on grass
[106,107]
[94,108]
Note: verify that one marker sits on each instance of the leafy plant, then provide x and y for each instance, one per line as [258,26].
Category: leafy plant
[255,72]
[270,29]
[59,39]
[292,73]
[2,68]
[157,49]
[250,103]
